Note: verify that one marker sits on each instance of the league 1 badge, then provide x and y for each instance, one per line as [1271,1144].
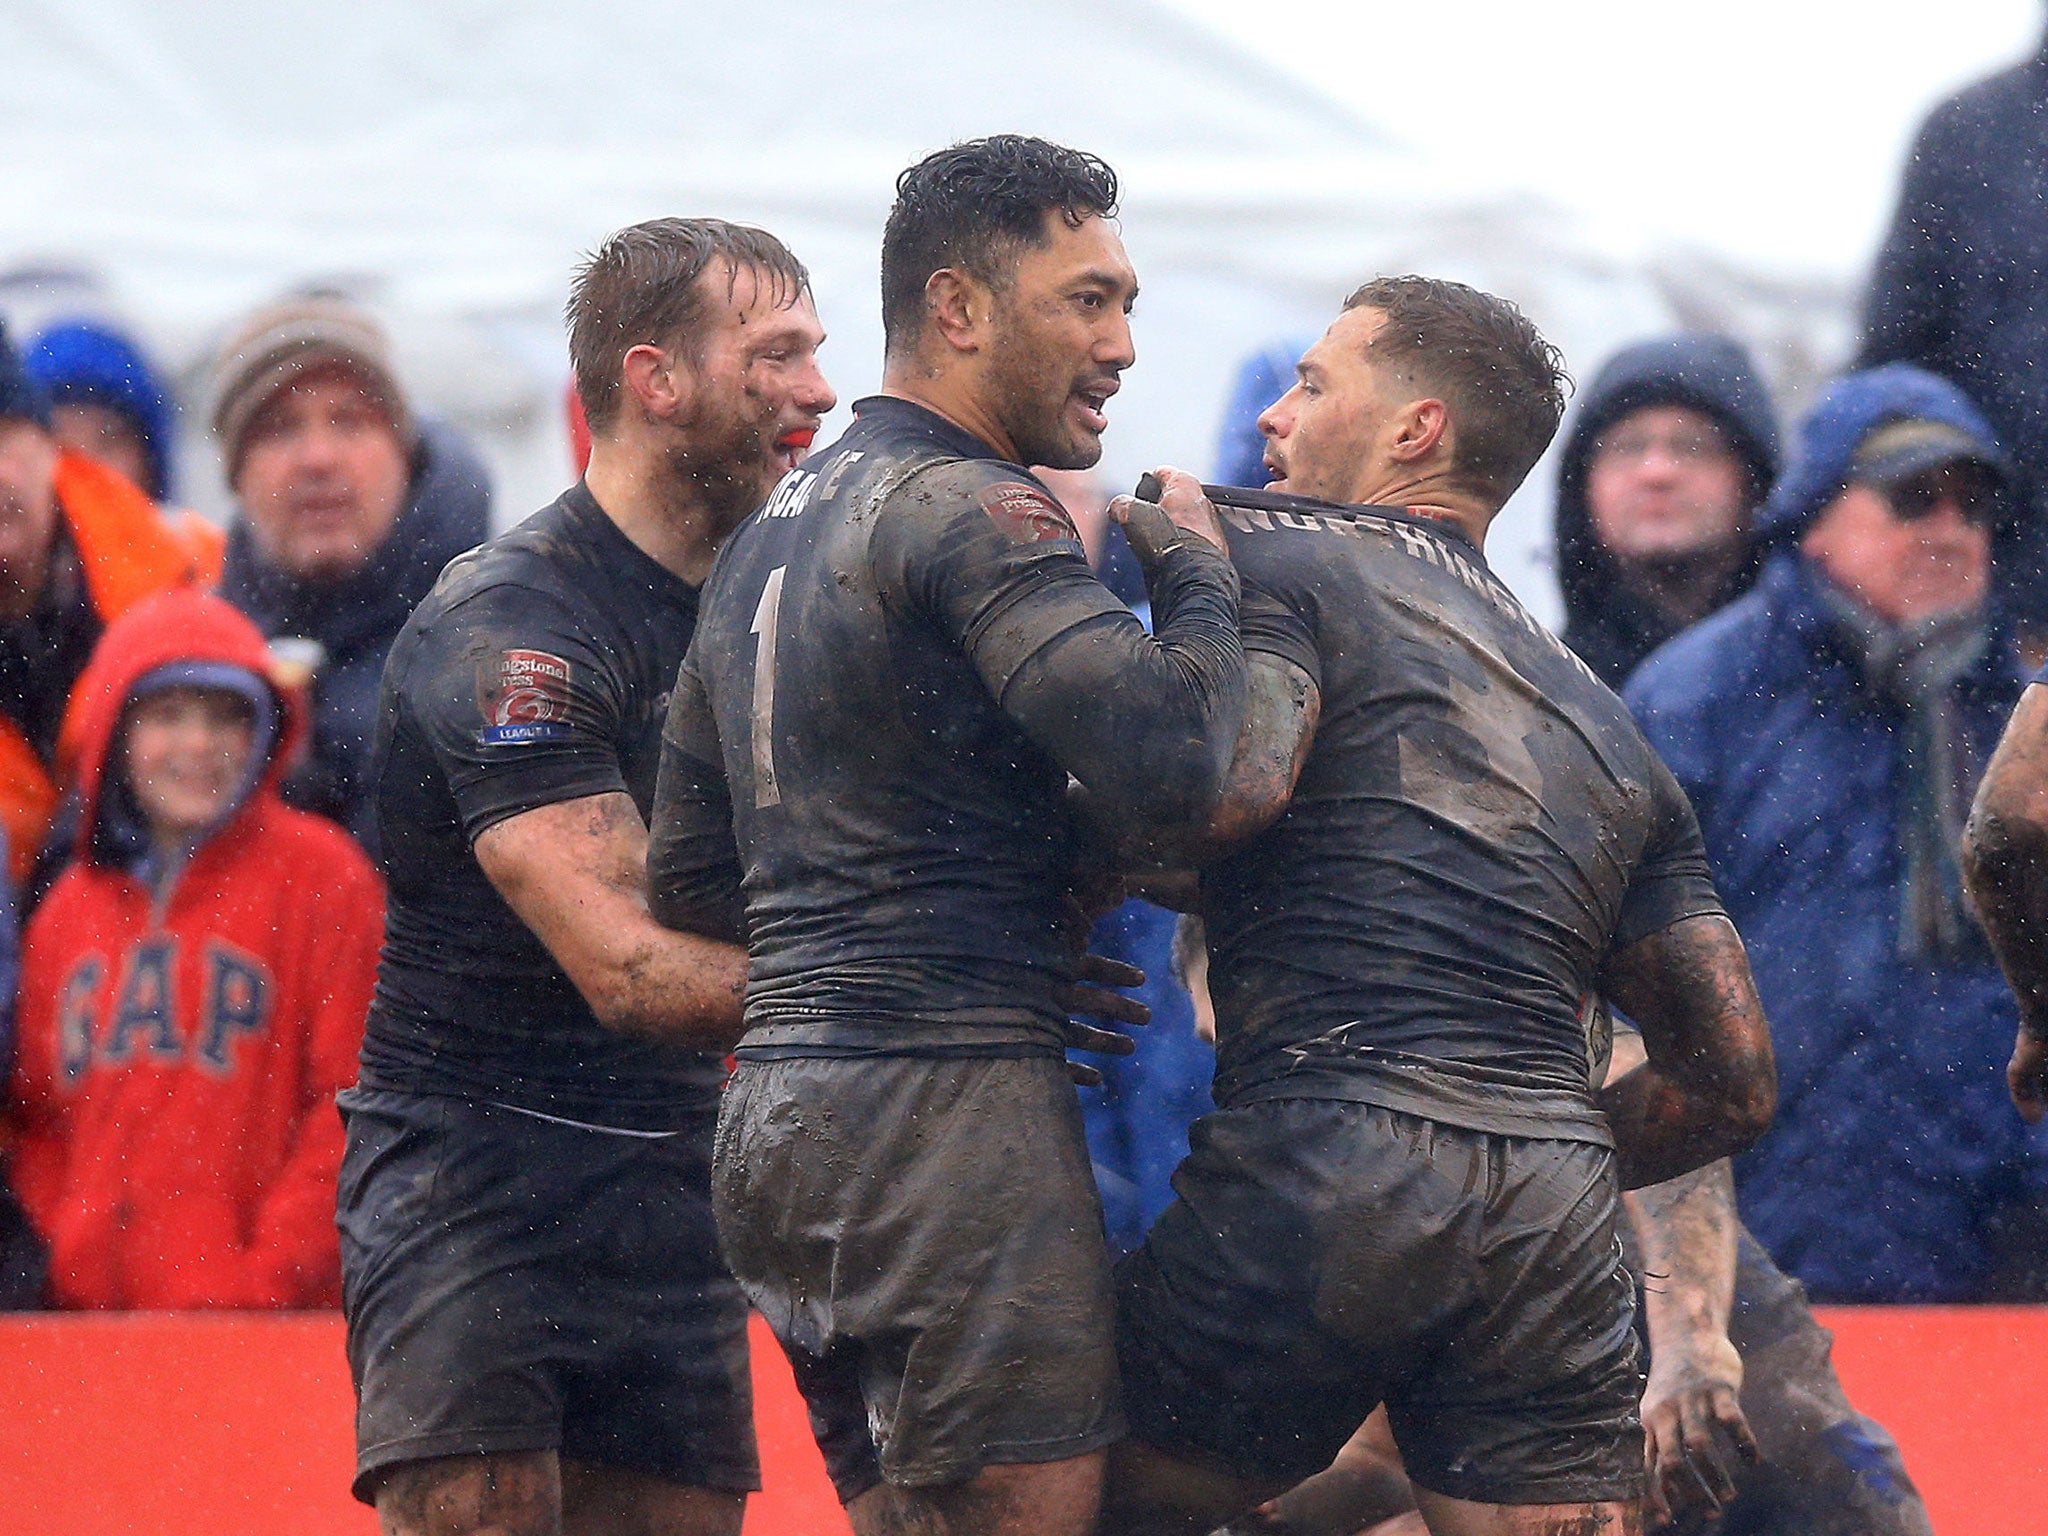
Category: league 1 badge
[524,697]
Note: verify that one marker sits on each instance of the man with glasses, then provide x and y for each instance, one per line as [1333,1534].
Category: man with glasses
[1830,727]
[1674,445]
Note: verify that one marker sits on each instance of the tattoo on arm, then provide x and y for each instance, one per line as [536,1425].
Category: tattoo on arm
[1709,1088]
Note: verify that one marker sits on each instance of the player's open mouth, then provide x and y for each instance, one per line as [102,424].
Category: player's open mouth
[792,446]
[1092,401]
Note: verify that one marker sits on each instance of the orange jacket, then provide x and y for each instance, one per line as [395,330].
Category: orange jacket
[129,551]
[179,1051]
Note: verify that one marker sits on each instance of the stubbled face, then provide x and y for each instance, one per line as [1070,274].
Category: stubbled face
[1664,482]
[28,512]
[103,433]
[323,475]
[753,395]
[1323,435]
[1904,569]
[1060,341]
[185,753]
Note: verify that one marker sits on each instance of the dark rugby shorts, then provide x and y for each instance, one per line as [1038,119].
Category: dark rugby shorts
[924,1237]
[1322,1257]
[518,1284]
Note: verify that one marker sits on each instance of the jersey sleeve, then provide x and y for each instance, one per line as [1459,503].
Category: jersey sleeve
[1144,721]
[1272,625]
[693,861]
[520,708]
[1673,881]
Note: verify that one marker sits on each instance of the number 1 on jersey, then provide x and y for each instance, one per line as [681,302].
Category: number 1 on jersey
[766,791]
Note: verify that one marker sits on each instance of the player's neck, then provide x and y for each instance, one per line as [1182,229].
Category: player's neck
[948,393]
[667,521]
[1428,495]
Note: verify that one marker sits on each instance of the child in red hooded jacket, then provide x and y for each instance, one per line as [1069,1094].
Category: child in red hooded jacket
[192,989]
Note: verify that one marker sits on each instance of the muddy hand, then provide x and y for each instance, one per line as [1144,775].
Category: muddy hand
[1089,993]
[1694,1438]
[1181,514]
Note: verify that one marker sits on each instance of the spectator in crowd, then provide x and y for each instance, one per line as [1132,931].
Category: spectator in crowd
[106,401]
[1829,727]
[1674,444]
[1961,288]
[1261,379]
[24,1262]
[193,988]
[349,506]
[79,546]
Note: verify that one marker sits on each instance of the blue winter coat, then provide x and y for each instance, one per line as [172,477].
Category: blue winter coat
[1895,1150]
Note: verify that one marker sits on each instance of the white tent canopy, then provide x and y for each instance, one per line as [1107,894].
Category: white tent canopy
[448,162]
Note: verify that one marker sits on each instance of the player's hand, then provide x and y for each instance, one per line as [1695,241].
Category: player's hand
[1182,512]
[2026,1077]
[1694,1431]
[1090,993]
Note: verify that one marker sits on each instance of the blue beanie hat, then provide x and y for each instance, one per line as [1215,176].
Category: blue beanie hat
[1852,408]
[87,363]
[20,395]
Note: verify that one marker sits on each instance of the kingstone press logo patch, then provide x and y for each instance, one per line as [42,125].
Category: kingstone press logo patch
[524,697]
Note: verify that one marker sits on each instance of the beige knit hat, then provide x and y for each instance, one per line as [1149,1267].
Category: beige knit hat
[277,344]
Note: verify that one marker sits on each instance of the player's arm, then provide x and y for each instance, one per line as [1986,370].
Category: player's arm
[1146,722]
[1693,1424]
[693,861]
[2005,866]
[1709,1086]
[576,874]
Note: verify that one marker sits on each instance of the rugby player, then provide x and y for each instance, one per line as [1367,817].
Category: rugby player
[1408,1194]
[541,1333]
[899,663]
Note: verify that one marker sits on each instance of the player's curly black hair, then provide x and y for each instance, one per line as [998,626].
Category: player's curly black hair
[974,206]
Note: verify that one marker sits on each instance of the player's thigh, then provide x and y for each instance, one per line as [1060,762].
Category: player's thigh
[1531,1400]
[516,1493]
[1151,1492]
[925,1235]
[1314,1250]
[1056,1498]
[1446,1516]
[610,1501]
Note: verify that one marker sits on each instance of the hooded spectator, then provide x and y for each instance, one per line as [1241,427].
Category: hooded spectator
[1961,288]
[106,402]
[1830,726]
[1674,445]
[193,988]
[79,545]
[348,509]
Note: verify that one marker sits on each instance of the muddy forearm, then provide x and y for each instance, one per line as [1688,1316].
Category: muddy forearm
[1709,1088]
[1686,1227]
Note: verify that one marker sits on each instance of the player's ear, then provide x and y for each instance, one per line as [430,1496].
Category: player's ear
[957,305]
[650,377]
[1421,428]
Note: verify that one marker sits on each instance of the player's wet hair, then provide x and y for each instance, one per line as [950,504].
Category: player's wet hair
[1504,384]
[640,287]
[975,206]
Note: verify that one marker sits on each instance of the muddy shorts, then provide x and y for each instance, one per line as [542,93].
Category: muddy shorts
[1322,1257]
[517,1284]
[924,1237]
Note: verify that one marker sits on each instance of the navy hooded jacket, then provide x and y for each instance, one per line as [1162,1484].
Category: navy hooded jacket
[355,620]
[1894,1152]
[1610,627]
[1961,287]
